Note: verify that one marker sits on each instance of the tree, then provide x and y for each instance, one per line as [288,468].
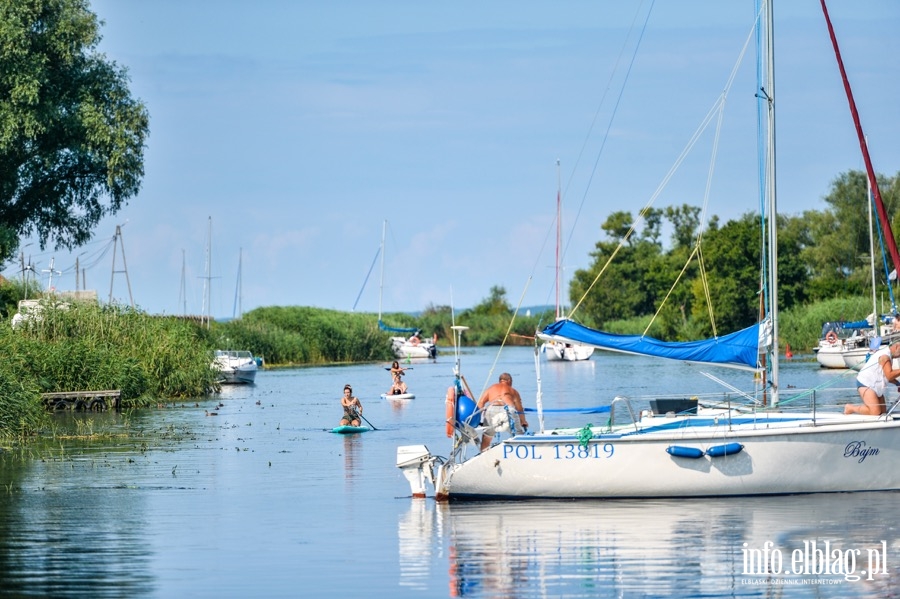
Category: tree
[71,136]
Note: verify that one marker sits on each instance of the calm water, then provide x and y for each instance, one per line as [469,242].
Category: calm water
[261,500]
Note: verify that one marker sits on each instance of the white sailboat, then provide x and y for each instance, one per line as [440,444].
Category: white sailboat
[729,449]
[412,346]
[560,351]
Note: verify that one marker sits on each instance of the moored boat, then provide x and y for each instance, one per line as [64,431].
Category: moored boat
[235,367]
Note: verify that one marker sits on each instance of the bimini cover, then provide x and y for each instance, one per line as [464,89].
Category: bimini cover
[385,327]
[737,350]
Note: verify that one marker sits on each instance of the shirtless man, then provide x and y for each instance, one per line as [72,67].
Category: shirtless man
[500,403]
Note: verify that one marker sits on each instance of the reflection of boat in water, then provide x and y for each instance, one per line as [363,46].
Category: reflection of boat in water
[652,547]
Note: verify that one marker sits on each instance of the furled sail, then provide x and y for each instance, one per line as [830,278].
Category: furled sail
[737,350]
[385,327]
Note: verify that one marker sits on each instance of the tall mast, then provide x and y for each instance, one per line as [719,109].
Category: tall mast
[206,279]
[771,200]
[872,256]
[381,284]
[558,234]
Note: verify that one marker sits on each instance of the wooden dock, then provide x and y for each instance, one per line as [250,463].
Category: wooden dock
[83,401]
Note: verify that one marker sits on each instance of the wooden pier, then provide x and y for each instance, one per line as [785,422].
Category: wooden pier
[83,401]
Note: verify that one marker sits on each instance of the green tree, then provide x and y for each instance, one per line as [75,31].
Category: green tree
[71,136]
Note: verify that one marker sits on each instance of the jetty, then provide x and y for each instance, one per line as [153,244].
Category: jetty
[83,401]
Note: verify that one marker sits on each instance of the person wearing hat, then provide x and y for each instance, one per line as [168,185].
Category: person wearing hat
[352,407]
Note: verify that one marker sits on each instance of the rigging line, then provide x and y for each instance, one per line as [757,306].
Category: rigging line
[695,137]
[366,280]
[707,295]
[729,386]
[506,336]
[671,289]
[608,125]
[659,189]
[587,136]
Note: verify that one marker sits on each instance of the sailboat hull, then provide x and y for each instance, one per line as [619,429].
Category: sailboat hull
[404,348]
[837,455]
[566,352]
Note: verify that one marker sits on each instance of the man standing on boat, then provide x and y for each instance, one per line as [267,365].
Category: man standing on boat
[873,379]
[501,403]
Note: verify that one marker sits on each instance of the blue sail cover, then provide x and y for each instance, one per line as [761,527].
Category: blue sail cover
[739,350]
[384,327]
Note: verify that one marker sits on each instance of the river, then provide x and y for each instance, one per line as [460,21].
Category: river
[262,500]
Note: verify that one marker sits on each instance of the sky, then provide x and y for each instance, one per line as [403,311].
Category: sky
[284,133]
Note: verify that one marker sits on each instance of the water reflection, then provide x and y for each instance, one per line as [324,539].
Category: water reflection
[351,450]
[65,540]
[712,548]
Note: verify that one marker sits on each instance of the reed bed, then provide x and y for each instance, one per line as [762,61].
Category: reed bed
[85,347]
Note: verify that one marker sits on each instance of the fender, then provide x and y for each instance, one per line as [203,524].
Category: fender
[450,410]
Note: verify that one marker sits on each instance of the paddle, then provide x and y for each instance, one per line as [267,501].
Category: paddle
[407,368]
[358,413]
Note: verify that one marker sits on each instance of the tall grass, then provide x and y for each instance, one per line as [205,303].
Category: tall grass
[301,335]
[88,347]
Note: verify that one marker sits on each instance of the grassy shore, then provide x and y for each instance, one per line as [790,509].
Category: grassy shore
[156,358]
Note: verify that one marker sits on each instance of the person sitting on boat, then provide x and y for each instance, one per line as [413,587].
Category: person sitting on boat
[352,408]
[896,325]
[873,379]
[399,387]
[501,403]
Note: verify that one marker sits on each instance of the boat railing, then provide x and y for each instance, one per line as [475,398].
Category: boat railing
[612,411]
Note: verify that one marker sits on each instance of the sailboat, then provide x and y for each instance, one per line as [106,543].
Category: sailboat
[558,351]
[706,450]
[410,344]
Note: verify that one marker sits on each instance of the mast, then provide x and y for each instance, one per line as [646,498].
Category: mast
[872,257]
[771,199]
[237,310]
[381,284]
[558,234]
[870,172]
[206,279]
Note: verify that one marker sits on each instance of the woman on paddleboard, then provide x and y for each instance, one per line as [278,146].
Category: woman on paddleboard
[352,407]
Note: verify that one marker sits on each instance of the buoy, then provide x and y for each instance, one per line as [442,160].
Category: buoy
[787,351]
[450,410]
[467,412]
[831,337]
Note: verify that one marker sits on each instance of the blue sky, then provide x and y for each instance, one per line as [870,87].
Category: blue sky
[299,127]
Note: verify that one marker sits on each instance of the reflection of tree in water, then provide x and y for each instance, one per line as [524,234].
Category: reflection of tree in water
[58,539]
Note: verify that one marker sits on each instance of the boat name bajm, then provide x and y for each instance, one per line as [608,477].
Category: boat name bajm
[858,449]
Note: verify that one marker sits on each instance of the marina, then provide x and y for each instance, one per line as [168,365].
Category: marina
[263,500]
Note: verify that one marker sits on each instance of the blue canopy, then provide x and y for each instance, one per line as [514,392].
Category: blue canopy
[737,350]
[384,327]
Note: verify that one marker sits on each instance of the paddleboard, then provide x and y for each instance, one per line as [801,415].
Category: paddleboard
[398,396]
[346,429]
